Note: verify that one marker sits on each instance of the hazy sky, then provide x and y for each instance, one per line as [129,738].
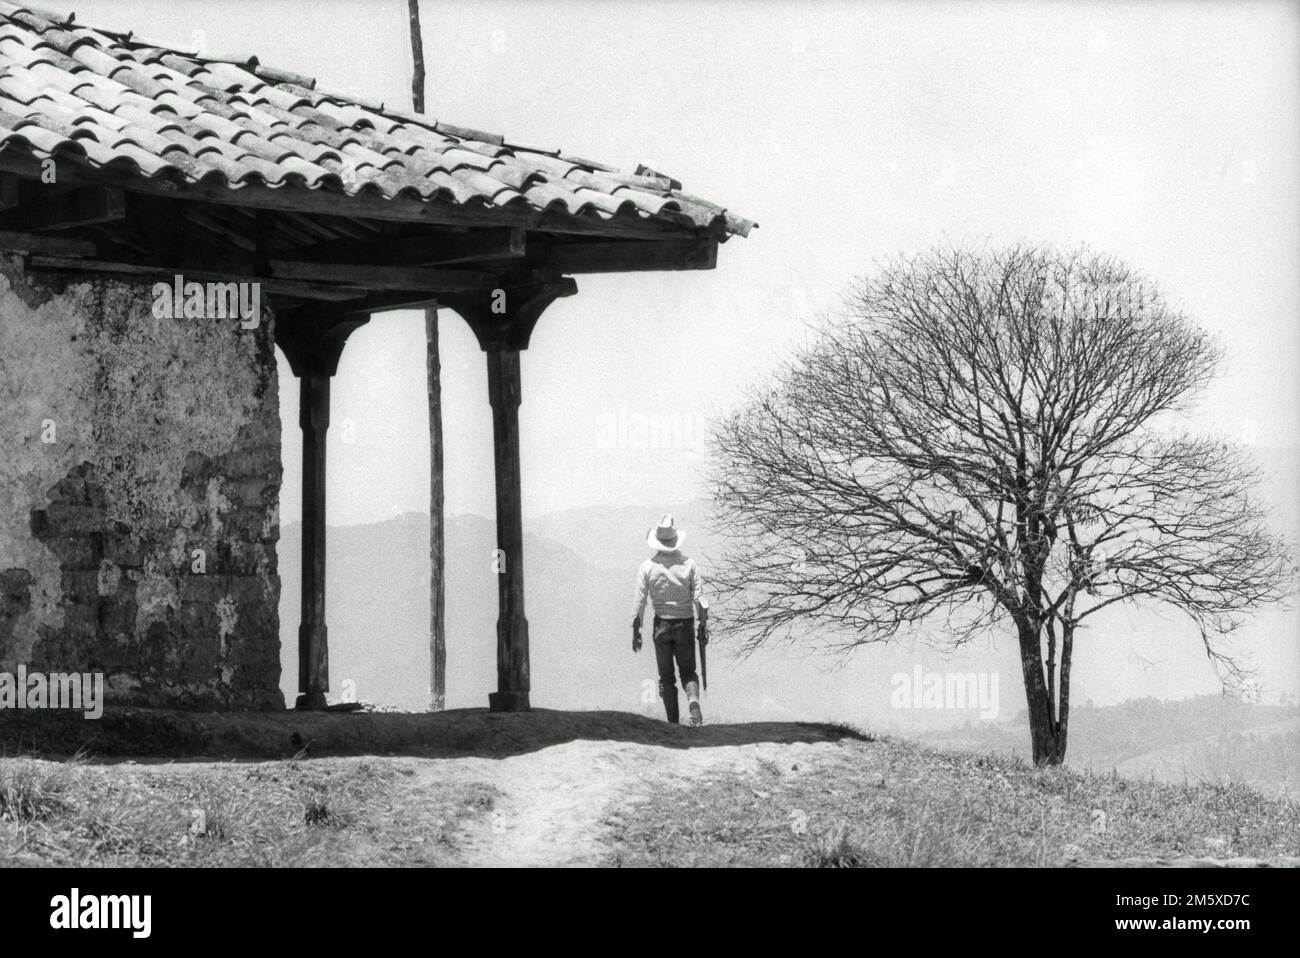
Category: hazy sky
[1163,132]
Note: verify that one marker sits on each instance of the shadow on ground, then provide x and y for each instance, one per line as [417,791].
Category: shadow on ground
[166,734]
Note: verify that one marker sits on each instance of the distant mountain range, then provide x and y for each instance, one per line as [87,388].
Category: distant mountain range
[1206,738]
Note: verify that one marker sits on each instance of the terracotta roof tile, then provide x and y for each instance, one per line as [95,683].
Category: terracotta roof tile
[156,143]
[152,108]
[181,64]
[141,83]
[94,118]
[18,87]
[151,163]
[45,139]
[220,167]
[357,155]
[276,76]
[283,99]
[314,175]
[65,42]
[96,59]
[195,169]
[150,120]
[228,77]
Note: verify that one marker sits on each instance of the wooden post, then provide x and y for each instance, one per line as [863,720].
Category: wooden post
[503,320]
[313,341]
[313,636]
[512,626]
[437,533]
[417,56]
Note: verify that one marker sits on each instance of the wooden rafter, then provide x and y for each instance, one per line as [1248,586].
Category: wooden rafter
[409,249]
[65,210]
[384,277]
[303,290]
[628,256]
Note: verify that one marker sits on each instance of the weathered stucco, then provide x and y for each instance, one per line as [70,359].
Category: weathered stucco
[167,441]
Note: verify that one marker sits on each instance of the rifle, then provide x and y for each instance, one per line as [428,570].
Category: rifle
[702,636]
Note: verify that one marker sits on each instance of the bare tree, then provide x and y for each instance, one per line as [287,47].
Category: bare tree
[989,442]
[437,534]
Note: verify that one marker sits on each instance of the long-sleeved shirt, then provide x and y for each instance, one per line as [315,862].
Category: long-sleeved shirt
[673,585]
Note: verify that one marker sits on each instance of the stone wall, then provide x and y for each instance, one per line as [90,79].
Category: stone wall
[139,492]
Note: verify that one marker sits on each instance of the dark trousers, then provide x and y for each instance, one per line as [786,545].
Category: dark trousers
[674,642]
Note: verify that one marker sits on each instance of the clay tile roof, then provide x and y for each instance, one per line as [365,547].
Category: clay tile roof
[273,126]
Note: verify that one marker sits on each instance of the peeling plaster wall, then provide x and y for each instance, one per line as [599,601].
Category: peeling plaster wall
[167,441]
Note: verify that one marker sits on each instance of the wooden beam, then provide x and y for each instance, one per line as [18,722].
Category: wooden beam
[8,191]
[284,287]
[363,206]
[39,243]
[263,233]
[388,302]
[414,250]
[630,256]
[82,207]
[155,226]
[227,232]
[384,277]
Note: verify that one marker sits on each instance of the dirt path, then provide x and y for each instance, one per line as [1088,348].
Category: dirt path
[558,801]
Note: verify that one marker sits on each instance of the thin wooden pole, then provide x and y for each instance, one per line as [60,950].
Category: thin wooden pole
[437,530]
[417,57]
[437,533]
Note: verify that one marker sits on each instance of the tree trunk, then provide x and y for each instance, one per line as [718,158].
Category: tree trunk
[1046,735]
[1063,704]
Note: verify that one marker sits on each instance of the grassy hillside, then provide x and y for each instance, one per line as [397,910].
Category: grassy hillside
[796,796]
[323,813]
[892,802]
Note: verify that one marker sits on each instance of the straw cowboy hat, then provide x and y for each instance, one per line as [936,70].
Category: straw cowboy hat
[667,537]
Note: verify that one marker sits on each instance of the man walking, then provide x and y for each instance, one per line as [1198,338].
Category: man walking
[672,583]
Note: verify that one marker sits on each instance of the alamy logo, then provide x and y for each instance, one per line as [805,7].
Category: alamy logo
[80,691]
[73,911]
[946,690]
[629,429]
[182,300]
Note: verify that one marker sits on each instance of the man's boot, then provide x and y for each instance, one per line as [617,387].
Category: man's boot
[669,695]
[693,701]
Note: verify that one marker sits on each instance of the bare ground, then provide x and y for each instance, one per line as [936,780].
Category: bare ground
[458,733]
[564,805]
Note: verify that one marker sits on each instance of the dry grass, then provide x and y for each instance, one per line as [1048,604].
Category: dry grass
[893,803]
[846,803]
[344,811]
